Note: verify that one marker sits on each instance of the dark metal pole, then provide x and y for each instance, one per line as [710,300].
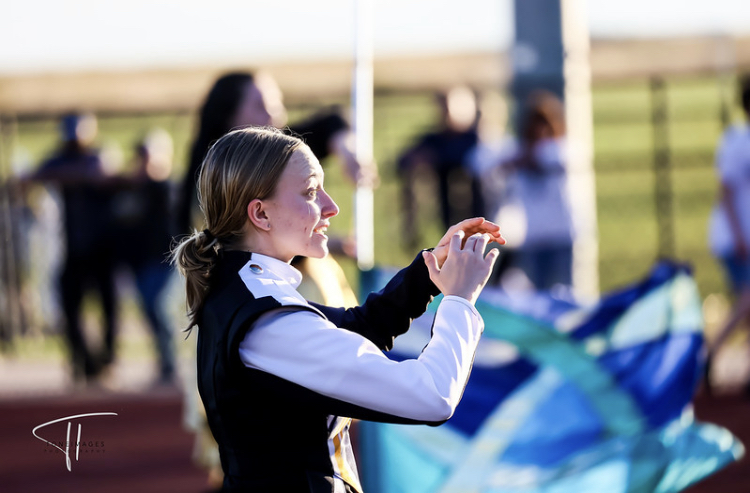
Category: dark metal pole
[537,52]
[662,168]
[6,244]
[725,108]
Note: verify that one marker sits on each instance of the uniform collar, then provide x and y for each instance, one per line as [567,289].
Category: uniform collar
[274,266]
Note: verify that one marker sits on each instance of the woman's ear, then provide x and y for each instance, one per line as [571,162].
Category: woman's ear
[257,214]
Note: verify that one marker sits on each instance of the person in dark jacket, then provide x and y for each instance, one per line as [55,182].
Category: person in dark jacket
[76,170]
[441,156]
[280,377]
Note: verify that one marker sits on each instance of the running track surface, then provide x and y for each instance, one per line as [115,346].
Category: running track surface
[145,448]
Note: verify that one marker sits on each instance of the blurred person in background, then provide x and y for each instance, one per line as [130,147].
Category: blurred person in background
[141,213]
[440,156]
[729,234]
[528,177]
[239,99]
[77,171]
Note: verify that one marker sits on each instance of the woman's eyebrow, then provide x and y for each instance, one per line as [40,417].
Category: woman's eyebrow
[315,175]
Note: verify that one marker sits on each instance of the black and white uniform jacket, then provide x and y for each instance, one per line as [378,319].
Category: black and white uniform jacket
[281,378]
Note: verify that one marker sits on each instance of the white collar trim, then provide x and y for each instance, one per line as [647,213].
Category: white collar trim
[267,276]
[276,267]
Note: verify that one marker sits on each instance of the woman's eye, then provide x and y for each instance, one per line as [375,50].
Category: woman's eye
[312,193]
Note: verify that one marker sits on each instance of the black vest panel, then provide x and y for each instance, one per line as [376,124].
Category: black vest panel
[266,442]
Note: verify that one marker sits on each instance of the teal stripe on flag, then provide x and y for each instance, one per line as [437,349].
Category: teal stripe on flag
[544,345]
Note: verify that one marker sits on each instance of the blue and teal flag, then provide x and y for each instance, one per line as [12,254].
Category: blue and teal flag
[566,399]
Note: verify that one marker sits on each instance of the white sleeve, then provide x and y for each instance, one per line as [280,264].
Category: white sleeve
[304,348]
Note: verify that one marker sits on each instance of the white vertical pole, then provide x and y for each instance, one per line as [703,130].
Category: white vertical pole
[362,106]
[580,135]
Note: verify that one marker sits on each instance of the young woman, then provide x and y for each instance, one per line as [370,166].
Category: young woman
[239,99]
[281,378]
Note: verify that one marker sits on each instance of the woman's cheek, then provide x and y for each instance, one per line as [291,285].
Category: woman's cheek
[311,208]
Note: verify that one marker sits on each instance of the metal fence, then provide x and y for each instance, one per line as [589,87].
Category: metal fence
[655,141]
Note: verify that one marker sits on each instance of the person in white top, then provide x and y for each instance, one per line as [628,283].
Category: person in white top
[524,180]
[281,377]
[729,233]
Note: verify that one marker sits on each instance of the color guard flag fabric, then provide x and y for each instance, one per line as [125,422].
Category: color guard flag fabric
[566,399]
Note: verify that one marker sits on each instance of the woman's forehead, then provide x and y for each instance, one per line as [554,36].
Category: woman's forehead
[303,164]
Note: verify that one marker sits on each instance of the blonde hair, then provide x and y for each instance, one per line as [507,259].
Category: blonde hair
[243,165]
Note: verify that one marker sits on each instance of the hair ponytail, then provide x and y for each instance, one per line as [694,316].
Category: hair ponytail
[194,257]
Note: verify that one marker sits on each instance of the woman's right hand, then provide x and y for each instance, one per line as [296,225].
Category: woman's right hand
[467,227]
[466,269]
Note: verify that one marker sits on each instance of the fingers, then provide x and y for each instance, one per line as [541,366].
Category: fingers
[479,225]
[493,230]
[457,239]
[491,257]
[464,226]
[473,222]
[477,242]
[432,264]
[471,226]
[489,227]
[471,242]
[466,269]
[464,230]
[482,243]
[468,226]
[474,225]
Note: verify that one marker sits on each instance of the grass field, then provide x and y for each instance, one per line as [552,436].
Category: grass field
[623,159]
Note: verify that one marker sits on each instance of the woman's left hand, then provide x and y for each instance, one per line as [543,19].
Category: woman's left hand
[469,227]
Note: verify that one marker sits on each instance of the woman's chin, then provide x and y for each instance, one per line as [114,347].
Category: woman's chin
[320,251]
[319,248]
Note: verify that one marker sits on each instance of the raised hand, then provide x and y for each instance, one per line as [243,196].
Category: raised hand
[468,227]
[466,269]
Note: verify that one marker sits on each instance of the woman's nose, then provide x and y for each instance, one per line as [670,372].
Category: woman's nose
[328,207]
